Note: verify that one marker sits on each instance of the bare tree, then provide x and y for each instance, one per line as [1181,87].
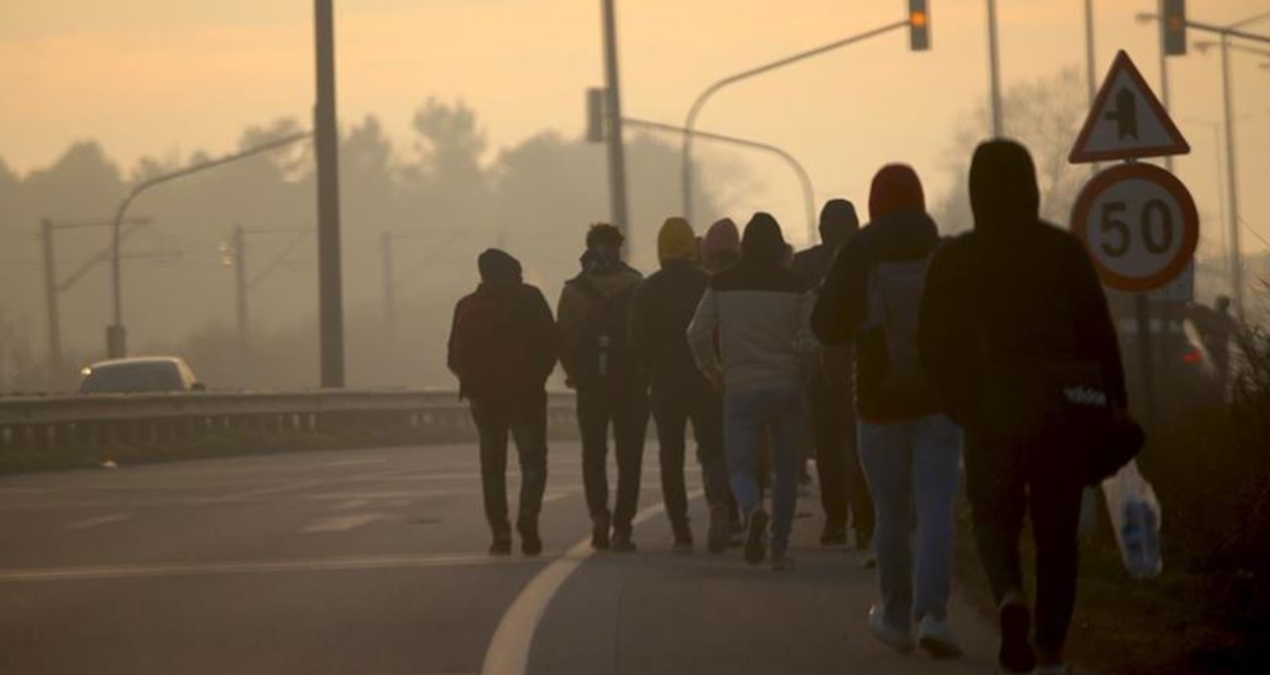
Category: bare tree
[1045,115]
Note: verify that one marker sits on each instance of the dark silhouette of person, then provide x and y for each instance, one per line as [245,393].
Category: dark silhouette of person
[830,399]
[594,325]
[664,305]
[502,347]
[1003,304]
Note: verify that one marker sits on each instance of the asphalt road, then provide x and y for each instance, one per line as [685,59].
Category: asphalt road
[373,562]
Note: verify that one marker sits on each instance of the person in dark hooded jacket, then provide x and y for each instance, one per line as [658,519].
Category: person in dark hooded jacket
[830,404]
[1006,300]
[503,348]
[595,350]
[910,451]
[664,304]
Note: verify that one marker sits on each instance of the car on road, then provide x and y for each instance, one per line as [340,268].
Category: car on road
[139,375]
[1185,376]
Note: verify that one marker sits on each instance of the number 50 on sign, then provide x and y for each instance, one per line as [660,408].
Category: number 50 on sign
[1140,225]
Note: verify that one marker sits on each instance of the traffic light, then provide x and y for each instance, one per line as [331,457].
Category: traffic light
[918,25]
[1173,27]
[595,115]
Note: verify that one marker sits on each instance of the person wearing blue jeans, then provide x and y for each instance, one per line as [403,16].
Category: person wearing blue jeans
[748,338]
[909,450]
[912,466]
[748,417]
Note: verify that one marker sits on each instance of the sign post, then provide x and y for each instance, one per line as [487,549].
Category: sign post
[1138,221]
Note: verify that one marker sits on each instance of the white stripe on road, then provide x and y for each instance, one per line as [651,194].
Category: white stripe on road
[345,523]
[357,462]
[508,651]
[98,521]
[381,562]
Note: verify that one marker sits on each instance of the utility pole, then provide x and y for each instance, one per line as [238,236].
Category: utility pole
[390,293]
[1232,184]
[326,138]
[240,295]
[994,72]
[616,147]
[50,296]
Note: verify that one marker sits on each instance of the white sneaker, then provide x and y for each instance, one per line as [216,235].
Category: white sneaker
[899,640]
[935,637]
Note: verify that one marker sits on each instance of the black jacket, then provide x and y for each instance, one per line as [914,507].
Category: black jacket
[1017,293]
[663,307]
[842,308]
[1028,298]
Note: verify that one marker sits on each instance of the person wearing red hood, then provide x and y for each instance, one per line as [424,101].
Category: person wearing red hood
[910,451]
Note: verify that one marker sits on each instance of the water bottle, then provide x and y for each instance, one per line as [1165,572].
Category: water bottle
[1140,533]
[605,341]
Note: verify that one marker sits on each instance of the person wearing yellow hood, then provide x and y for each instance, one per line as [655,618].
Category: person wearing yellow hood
[662,308]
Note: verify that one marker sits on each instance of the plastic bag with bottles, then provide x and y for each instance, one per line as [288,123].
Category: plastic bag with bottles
[1135,515]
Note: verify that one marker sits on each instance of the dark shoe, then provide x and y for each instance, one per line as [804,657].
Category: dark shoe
[530,541]
[502,544]
[756,537]
[683,540]
[833,535]
[600,531]
[1016,655]
[718,537]
[622,541]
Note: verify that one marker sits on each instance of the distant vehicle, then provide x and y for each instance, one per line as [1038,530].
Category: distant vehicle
[139,375]
[1185,376]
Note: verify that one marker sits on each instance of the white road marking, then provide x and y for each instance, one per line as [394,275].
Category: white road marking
[345,523]
[358,462]
[351,504]
[556,496]
[98,521]
[264,492]
[508,651]
[380,562]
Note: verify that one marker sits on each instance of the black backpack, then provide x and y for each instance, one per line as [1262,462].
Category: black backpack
[604,350]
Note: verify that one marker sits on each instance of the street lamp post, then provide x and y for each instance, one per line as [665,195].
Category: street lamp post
[804,178]
[116,336]
[690,121]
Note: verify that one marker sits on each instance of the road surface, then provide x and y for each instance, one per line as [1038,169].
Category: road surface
[373,562]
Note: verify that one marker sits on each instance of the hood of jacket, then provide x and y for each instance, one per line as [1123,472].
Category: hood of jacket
[722,244]
[498,266]
[838,221]
[1003,192]
[676,241]
[763,244]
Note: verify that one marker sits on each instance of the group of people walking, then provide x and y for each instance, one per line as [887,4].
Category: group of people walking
[888,343]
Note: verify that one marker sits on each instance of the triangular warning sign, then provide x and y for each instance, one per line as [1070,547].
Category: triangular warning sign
[1126,121]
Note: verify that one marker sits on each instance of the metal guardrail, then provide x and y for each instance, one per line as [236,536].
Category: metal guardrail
[97,420]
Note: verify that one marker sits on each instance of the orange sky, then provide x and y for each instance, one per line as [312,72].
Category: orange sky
[156,77]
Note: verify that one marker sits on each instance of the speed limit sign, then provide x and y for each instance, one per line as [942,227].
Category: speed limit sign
[1140,225]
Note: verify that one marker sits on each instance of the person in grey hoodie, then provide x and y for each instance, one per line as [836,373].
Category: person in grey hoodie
[759,311]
